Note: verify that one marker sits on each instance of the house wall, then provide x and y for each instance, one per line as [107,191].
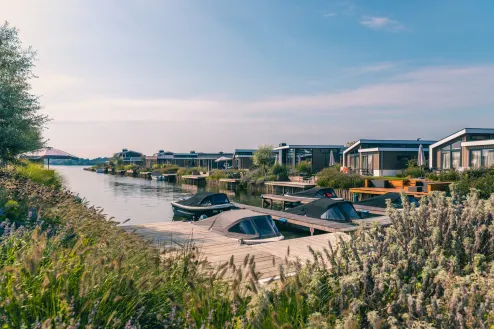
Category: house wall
[244,163]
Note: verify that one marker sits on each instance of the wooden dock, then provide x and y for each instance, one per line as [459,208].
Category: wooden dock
[316,223]
[194,179]
[269,199]
[287,187]
[381,191]
[218,249]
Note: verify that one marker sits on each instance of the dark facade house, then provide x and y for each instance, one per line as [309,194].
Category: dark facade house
[130,157]
[382,157]
[319,156]
[193,159]
[469,148]
[243,158]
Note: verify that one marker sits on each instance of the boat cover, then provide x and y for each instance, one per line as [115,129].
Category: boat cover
[199,198]
[317,192]
[317,208]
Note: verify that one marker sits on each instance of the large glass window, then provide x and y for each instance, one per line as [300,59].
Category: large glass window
[476,159]
[349,211]
[456,159]
[446,160]
[244,227]
[303,155]
[367,162]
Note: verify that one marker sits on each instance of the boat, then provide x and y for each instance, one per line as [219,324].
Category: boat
[329,209]
[246,226]
[158,178]
[100,171]
[205,203]
[316,193]
[380,201]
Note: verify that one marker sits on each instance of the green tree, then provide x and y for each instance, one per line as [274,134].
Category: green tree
[21,124]
[264,157]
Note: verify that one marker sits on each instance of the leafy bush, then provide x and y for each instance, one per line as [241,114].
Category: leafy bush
[414,172]
[304,168]
[332,177]
[445,176]
[479,179]
[39,174]
[279,173]
[191,171]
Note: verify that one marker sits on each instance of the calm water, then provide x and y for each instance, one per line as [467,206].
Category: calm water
[141,200]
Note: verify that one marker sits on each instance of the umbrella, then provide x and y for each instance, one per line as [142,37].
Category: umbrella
[49,153]
[421,157]
[331,159]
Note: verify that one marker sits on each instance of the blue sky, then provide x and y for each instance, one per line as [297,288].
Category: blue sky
[214,75]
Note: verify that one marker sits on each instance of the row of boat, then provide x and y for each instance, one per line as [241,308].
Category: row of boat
[212,211]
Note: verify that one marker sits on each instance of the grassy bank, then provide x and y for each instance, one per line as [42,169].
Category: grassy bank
[70,266]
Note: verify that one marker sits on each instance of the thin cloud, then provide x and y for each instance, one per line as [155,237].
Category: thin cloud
[330,14]
[376,68]
[382,23]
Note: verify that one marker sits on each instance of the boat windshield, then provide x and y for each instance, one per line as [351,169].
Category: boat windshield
[244,227]
[265,226]
[219,199]
[334,213]
[349,211]
[326,193]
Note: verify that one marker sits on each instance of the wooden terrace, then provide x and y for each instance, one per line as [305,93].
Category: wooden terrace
[287,187]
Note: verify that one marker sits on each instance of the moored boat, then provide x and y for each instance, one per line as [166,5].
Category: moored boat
[205,203]
[316,193]
[329,209]
[380,201]
[100,171]
[247,226]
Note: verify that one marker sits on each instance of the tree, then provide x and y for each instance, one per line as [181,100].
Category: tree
[348,144]
[264,157]
[21,124]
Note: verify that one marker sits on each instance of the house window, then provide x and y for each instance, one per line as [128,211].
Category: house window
[367,162]
[482,158]
[476,159]
[456,159]
[446,160]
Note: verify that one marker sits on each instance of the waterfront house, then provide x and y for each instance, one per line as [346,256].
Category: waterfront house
[151,160]
[319,156]
[243,158]
[209,160]
[194,159]
[130,157]
[382,157]
[466,149]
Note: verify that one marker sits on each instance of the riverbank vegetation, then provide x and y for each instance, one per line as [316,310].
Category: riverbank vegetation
[481,179]
[433,268]
[333,177]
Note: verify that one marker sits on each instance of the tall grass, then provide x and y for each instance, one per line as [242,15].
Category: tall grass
[433,268]
[39,174]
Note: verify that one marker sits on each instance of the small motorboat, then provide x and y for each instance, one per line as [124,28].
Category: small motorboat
[380,201]
[205,203]
[247,226]
[334,210]
[100,171]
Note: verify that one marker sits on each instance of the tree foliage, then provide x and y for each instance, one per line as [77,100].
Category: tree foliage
[21,124]
[264,157]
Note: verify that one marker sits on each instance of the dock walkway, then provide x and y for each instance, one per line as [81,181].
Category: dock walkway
[218,249]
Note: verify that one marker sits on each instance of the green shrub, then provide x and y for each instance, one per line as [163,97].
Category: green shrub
[39,174]
[304,168]
[332,177]
[414,172]
[279,172]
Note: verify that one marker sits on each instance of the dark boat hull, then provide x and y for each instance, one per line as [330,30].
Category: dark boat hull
[194,213]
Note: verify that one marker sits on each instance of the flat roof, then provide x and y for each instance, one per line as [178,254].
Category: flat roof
[295,146]
[462,132]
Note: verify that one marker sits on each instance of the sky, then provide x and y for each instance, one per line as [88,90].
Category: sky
[215,75]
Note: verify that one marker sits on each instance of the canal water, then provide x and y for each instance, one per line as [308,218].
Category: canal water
[140,200]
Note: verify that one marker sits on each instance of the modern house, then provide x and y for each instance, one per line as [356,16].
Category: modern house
[130,157]
[382,157]
[151,160]
[193,159]
[243,158]
[319,156]
[465,149]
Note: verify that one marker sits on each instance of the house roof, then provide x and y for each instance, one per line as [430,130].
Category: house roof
[294,146]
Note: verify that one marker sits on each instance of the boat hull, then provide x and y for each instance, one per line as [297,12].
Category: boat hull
[195,213]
